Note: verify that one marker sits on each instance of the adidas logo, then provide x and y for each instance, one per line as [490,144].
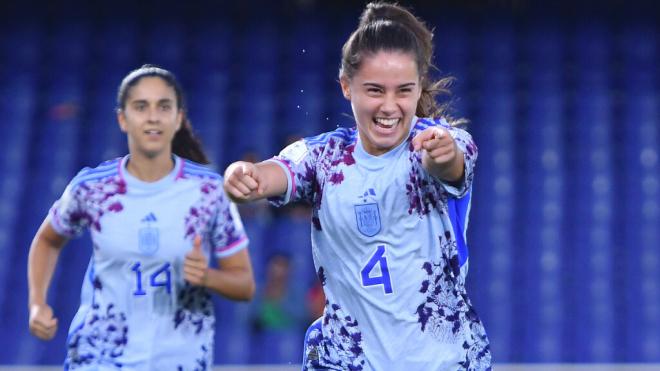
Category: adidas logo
[370,191]
[367,193]
[149,218]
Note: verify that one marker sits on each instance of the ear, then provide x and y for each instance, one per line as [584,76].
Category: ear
[179,120]
[121,119]
[345,87]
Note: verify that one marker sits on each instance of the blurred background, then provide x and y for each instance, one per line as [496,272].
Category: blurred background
[563,101]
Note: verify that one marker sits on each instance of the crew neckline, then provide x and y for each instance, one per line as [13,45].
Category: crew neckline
[376,162]
[161,183]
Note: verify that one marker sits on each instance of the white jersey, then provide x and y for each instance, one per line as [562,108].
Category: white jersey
[136,311]
[389,247]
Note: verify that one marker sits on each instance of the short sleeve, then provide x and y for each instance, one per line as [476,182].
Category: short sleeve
[299,164]
[227,234]
[68,215]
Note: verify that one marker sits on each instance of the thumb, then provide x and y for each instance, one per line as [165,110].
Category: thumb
[197,244]
[50,321]
[439,132]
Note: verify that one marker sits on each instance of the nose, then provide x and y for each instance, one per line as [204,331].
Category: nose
[153,115]
[389,105]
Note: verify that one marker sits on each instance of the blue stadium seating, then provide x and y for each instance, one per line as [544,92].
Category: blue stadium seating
[564,258]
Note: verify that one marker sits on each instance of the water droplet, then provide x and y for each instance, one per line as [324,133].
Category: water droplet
[298,106]
[327,119]
[303,50]
[302,91]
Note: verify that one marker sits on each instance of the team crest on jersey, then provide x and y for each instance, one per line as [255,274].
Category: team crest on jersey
[368,219]
[367,214]
[149,238]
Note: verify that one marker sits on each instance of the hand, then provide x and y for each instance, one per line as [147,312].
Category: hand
[437,146]
[42,322]
[243,181]
[195,266]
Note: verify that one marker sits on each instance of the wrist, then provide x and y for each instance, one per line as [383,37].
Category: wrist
[36,302]
[205,277]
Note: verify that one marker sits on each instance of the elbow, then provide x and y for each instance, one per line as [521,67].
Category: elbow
[246,291]
[249,291]
[245,295]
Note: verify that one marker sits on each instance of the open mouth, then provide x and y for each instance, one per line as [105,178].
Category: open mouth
[153,132]
[386,123]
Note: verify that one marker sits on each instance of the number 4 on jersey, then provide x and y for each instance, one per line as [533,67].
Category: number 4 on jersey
[378,258]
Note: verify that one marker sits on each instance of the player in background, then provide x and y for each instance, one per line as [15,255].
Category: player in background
[390,200]
[155,217]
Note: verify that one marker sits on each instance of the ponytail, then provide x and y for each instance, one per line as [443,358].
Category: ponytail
[185,144]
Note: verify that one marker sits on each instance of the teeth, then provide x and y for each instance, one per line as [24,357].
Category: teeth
[388,123]
[153,132]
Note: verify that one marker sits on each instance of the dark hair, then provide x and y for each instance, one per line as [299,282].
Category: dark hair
[390,27]
[185,144]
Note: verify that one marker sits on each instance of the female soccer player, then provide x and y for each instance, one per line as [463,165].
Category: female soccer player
[154,217]
[391,201]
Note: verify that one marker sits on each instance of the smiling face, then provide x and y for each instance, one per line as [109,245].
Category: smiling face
[384,93]
[150,117]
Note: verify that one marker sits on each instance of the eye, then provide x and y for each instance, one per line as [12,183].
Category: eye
[166,107]
[373,90]
[140,107]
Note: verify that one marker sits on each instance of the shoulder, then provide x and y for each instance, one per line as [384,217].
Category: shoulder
[456,130]
[345,136]
[193,170]
[422,123]
[105,170]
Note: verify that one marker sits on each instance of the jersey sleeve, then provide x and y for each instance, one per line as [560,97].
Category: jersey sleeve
[466,144]
[68,215]
[227,234]
[299,164]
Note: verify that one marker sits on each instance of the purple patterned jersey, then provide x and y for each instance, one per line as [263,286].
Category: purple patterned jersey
[389,245]
[136,311]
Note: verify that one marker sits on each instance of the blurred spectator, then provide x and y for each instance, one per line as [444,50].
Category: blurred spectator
[315,302]
[278,315]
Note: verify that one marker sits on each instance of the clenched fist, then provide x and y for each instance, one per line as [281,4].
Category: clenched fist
[440,154]
[42,322]
[243,181]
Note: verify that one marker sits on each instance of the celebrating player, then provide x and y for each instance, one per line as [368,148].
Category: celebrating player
[391,200]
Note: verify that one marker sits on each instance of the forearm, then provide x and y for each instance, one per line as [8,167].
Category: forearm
[232,283]
[276,179]
[451,172]
[42,259]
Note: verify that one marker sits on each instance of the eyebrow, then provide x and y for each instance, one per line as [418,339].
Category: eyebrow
[160,101]
[406,85]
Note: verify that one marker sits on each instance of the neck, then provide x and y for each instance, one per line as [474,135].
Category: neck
[150,169]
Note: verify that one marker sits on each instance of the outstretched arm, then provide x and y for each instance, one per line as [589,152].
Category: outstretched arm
[44,252]
[441,156]
[245,181]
